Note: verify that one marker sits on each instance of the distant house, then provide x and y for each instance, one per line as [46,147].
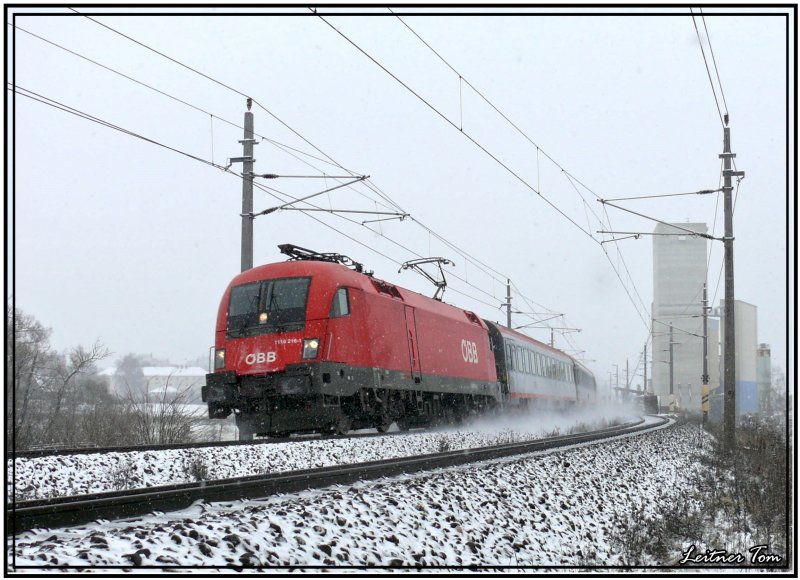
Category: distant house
[174,380]
[158,381]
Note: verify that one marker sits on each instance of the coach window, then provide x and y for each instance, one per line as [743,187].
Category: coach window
[341,304]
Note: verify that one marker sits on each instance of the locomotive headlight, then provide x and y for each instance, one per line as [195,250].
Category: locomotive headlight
[310,347]
[219,359]
[263,317]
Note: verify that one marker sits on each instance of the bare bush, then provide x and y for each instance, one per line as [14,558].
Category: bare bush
[124,475]
[159,418]
[195,467]
[735,501]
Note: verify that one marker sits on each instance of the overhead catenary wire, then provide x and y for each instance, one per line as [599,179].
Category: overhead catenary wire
[224,85]
[457,128]
[701,192]
[714,61]
[57,105]
[291,151]
[708,70]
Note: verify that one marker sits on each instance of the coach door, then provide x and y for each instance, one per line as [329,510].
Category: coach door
[413,347]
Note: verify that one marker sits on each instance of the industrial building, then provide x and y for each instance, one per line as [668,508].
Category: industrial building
[679,273]
[746,337]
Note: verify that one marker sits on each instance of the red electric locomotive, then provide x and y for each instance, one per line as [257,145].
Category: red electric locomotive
[312,345]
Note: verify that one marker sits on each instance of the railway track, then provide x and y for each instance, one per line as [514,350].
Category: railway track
[76,510]
[53,452]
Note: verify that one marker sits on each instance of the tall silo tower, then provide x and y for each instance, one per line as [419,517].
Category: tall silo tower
[679,272]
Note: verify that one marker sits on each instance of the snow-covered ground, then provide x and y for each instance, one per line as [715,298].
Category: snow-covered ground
[562,508]
[44,477]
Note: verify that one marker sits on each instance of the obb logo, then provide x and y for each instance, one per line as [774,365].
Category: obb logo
[260,357]
[469,350]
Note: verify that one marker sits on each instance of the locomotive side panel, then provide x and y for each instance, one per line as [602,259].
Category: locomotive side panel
[385,339]
[455,354]
[346,329]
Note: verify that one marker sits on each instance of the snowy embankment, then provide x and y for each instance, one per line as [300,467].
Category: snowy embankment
[44,477]
[567,507]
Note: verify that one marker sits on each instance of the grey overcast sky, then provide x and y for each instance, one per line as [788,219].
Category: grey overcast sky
[119,239]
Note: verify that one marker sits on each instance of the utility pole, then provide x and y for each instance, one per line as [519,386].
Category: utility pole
[645,368]
[671,373]
[247,189]
[729,364]
[508,302]
[704,391]
[627,382]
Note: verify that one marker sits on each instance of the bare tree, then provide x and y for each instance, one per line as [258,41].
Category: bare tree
[63,389]
[28,354]
[159,417]
[48,388]
[779,393]
[129,376]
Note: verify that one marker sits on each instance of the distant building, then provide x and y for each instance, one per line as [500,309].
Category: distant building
[173,380]
[161,381]
[679,272]
[746,337]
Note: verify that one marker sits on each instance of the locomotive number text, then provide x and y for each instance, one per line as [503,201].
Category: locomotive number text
[260,357]
[469,350]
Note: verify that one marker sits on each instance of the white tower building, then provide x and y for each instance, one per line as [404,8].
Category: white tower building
[679,272]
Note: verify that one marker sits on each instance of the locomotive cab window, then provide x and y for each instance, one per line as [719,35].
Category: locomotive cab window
[268,306]
[341,304]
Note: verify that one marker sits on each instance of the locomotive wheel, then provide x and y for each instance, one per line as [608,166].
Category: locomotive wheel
[403,424]
[342,426]
[384,424]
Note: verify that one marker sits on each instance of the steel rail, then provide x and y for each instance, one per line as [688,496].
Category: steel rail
[83,509]
[52,452]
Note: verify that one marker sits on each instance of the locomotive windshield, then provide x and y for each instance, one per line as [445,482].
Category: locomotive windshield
[268,306]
